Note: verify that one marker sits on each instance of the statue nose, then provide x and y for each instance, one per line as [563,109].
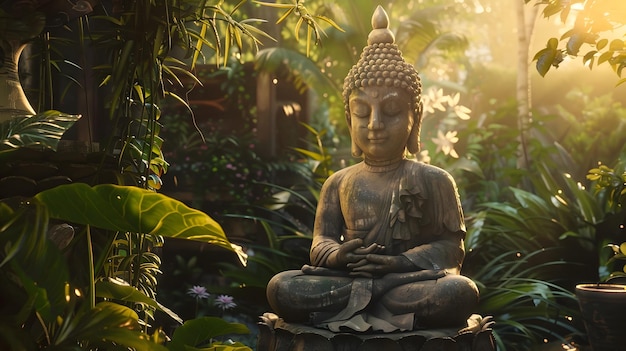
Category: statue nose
[375,120]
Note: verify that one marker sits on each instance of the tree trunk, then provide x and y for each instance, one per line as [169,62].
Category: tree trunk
[526,15]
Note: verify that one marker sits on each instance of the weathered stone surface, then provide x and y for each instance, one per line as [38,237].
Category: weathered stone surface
[277,335]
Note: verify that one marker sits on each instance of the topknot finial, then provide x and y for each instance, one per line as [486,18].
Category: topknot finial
[380,28]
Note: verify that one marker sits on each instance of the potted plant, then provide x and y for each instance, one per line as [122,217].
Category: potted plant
[603,305]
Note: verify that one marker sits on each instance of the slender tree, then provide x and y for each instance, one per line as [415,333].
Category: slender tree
[525,24]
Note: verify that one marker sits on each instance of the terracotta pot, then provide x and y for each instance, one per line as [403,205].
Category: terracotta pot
[603,308]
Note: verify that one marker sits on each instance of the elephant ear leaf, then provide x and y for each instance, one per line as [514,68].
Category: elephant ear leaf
[132,209]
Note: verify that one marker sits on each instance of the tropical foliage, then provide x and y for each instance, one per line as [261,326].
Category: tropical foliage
[103,292]
[286,219]
[609,187]
[527,254]
[99,242]
[92,299]
[43,129]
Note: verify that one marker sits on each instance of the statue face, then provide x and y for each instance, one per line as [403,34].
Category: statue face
[380,121]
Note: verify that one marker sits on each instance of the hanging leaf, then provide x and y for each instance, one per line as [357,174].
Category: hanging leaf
[574,43]
[544,59]
[589,58]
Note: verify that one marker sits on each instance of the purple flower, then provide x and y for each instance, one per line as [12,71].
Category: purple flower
[199,292]
[225,302]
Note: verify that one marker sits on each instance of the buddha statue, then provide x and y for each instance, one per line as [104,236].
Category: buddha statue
[388,236]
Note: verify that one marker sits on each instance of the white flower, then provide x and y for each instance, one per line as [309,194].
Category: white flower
[225,302]
[434,100]
[199,292]
[446,143]
[462,112]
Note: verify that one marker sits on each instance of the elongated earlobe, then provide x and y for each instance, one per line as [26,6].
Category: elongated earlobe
[413,143]
[356,151]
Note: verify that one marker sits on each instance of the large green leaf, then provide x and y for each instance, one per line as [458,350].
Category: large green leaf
[132,209]
[197,332]
[45,129]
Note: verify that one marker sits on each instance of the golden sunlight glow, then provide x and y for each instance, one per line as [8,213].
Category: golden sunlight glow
[578,6]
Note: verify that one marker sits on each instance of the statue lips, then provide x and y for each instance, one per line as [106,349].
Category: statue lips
[377,138]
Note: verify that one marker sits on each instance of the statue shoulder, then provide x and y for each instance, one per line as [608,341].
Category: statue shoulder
[334,181]
[339,175]
[425,168]
[428,172]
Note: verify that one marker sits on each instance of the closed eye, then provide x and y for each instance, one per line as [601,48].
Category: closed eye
[359,108]
[392,107]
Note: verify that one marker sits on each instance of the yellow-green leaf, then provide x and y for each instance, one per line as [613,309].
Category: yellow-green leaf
[132,209]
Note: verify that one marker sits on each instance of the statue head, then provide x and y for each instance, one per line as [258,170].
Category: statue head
[381,65]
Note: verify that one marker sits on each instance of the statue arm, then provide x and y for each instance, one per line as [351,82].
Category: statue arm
[437,255]
[328,226]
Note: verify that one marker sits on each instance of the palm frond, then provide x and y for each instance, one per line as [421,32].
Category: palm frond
[304,73]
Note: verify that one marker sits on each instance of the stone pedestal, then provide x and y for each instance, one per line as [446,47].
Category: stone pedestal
[277,335]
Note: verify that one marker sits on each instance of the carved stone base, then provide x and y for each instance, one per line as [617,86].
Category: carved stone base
[277,335]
